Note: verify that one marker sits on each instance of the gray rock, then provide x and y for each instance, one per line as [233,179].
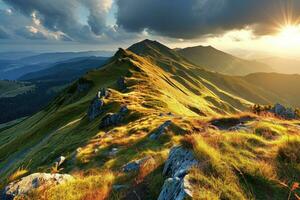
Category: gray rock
[121,83]
[59,161]
[281,111]
[160,130]
[103,93]
[112,119]
[95,108]
[179,162]
[176,189]
[135,165]
[27,184]
[113,152]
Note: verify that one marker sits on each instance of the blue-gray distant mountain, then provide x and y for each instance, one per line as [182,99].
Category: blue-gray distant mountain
[23,98]
[14,69]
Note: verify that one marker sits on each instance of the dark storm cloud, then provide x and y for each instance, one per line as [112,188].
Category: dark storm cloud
[55,15]
[193,18]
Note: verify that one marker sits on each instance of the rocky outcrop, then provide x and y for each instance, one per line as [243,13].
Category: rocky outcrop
[112,119]
[27,184]
[178,186]
[97,103]
[160,130]
[95,108]
[281,111]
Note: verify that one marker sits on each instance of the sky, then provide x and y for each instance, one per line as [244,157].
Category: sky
[247,27]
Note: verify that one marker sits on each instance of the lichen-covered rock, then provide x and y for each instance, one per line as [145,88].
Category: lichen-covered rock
[161,130]
[179,162]
[176,189]
[27,184]
[95,108]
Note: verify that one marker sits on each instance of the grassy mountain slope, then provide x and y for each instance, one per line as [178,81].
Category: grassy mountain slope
[158,82]
[218,61]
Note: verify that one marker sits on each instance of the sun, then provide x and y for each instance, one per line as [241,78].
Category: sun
[289,36]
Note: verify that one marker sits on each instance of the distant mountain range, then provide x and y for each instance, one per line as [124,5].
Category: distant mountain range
[34,90]
[218,61]
[14,69]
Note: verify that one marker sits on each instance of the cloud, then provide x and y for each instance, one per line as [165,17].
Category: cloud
[63,15]
[195,18]
[3,34]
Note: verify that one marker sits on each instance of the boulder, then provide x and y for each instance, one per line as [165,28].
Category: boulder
[177,186]
[112,119]
[160,130]
[281,111]
[27,184]
[95,108]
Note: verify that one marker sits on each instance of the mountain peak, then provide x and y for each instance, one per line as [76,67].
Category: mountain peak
[153,48]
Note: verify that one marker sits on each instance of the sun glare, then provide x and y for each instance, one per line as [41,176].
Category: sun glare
[289,36]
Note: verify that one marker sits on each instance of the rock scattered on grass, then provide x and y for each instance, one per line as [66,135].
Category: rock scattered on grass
[134,165]
[25,185]
[160,130]
[113,119]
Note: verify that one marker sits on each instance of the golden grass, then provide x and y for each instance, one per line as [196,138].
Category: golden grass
[22,171]
[91,187]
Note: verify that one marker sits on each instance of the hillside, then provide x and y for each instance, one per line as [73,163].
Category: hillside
[218,61]
[14,88]
[116,126]
[35,90]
